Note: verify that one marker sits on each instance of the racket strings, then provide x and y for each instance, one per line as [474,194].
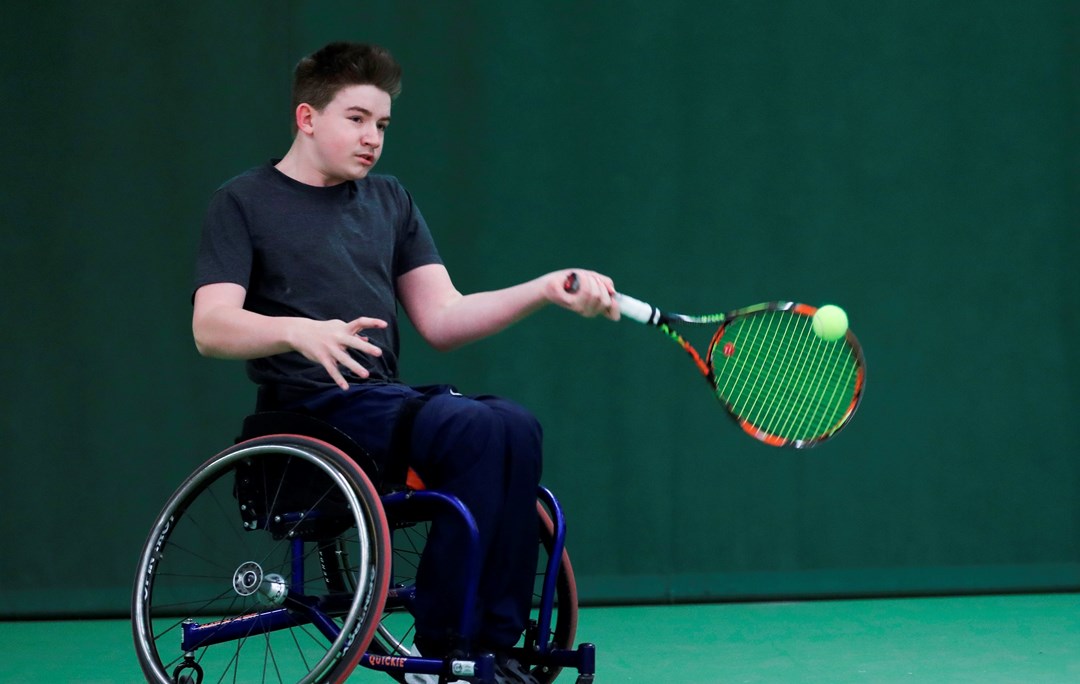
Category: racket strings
[807,405]
[799,398]
[782,379]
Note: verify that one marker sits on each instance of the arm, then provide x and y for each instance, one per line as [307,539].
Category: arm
[448,319]
[224,329]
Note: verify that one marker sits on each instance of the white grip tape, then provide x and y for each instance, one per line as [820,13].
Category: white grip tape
[635,309]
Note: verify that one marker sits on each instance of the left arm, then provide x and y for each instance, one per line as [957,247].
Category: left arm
[448,319]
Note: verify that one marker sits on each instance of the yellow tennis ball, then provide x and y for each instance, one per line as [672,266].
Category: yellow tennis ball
[830,323]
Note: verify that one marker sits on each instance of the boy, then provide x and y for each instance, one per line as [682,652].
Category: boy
[300,269]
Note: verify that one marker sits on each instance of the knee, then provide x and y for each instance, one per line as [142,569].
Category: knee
[519,421]
[458,430]
[469,423]
[461,433]
[524,435]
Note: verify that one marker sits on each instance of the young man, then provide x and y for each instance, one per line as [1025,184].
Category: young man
[300,269]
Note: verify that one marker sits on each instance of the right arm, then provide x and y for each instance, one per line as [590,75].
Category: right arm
[224,329]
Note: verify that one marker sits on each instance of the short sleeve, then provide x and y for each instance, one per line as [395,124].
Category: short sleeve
[415,245]
[225,251]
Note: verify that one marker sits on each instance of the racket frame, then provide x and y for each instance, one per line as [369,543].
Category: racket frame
[647,314]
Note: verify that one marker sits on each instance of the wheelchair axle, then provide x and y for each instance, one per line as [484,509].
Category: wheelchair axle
[249,579]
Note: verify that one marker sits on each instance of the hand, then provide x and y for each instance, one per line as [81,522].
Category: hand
[587,292]
[328,343]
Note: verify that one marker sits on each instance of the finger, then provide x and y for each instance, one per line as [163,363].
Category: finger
[613,312]
[590,293]
[363,323]
[597,298]
[362,345]
[608,305]
[342,358]
[608,283]
[335,375]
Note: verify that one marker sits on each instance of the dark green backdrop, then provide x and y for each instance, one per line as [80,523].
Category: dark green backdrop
[914,161]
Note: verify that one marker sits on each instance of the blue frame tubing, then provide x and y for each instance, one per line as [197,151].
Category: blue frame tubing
[293,607]
[417,505]
[405,505]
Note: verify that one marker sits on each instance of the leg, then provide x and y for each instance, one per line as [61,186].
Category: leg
[459,447]
[487,452]
[397,630]
[506,585]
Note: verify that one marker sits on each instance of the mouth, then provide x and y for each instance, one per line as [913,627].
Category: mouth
[366,159]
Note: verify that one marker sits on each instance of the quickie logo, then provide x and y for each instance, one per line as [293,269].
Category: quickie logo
[386,661]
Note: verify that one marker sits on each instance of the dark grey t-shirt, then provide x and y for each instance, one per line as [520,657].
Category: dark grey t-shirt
[317,252]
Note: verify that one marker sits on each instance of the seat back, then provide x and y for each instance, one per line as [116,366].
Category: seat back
[297,490]
[290,497]
[385,477]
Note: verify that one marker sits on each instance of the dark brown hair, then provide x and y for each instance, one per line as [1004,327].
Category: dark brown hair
[320,75]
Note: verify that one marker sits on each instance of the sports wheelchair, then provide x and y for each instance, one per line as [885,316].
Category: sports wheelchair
[289,557]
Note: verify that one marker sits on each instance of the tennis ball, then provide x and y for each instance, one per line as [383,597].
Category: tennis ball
[830,323]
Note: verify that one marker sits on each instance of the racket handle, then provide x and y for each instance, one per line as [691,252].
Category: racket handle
[634,309]
[637,310]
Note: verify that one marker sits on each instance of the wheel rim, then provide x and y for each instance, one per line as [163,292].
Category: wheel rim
[184,576]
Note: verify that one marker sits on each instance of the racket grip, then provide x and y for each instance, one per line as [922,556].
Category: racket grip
[634,309]
[637,310]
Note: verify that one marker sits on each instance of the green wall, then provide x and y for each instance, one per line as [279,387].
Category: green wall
[914,161]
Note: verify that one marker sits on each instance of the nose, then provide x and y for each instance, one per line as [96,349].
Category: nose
[371,136]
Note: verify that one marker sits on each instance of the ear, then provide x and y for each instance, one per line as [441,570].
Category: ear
[305,115]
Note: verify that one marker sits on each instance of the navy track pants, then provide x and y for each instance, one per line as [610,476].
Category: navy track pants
[487,452]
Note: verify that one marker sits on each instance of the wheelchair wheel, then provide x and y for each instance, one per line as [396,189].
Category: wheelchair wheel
[395,632]
[241,577]
[564,617]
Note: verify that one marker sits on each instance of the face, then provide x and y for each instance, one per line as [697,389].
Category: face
[347,135]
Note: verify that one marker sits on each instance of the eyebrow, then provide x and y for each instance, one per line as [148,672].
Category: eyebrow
[366,112]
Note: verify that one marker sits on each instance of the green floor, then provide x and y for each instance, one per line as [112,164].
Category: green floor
[989,640]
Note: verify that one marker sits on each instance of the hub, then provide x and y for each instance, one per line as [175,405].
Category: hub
[270,589]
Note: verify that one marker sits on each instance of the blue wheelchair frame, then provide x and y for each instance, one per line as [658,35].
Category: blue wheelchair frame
[405,505]
[538,650]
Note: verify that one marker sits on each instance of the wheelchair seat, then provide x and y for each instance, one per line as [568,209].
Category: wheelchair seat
[386,478]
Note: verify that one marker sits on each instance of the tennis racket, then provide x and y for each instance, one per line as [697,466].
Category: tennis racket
[781,382]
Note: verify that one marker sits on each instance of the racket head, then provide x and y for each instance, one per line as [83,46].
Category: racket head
[784,385]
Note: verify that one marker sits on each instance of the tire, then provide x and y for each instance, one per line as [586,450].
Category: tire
[244,541]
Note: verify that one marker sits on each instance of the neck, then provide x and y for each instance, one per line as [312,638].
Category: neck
[299,165]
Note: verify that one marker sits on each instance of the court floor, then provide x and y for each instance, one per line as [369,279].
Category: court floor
[1021,639]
